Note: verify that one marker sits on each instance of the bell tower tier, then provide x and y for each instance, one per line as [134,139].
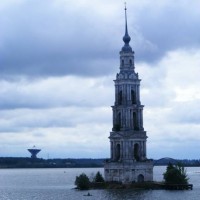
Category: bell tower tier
[128,162]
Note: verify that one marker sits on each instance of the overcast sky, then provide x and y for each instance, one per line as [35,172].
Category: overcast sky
[58,60]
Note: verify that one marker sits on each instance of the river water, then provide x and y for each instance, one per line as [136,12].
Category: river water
[58,184]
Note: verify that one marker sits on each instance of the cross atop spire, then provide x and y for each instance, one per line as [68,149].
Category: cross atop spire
[126,37]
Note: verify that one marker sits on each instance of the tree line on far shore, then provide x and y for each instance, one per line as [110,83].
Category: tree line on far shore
[25,162]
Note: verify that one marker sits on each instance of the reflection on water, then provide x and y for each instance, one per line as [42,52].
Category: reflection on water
[58,184]
[127,194]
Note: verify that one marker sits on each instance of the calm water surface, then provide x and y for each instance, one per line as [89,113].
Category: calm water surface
[58,184]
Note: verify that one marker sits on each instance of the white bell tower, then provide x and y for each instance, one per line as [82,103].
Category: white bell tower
[128,162]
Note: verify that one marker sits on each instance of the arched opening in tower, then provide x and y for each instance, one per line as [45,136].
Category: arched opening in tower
[122,63]
[120,98]
[140,178]
[118,125]
[136,152]
[133,97]
[130,62]
[135,121]
[118,149]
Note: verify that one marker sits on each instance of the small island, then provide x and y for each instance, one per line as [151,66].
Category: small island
[175,178]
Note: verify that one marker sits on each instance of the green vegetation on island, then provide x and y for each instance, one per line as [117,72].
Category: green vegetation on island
[83,182]
[175,174]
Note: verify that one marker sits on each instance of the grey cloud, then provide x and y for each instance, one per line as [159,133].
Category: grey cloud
[165,28]
[186,112]
[19,120]
[40,39]
[70,91]
[43,38]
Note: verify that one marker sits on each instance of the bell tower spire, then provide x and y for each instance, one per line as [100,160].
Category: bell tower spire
[126,37]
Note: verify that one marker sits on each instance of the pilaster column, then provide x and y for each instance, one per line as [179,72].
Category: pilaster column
[111,150]
[139,119]
[142,119]
[121,150]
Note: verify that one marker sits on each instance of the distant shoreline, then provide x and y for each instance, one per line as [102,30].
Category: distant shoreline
[25,162]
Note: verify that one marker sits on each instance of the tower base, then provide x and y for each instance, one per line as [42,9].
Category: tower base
[128,171]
